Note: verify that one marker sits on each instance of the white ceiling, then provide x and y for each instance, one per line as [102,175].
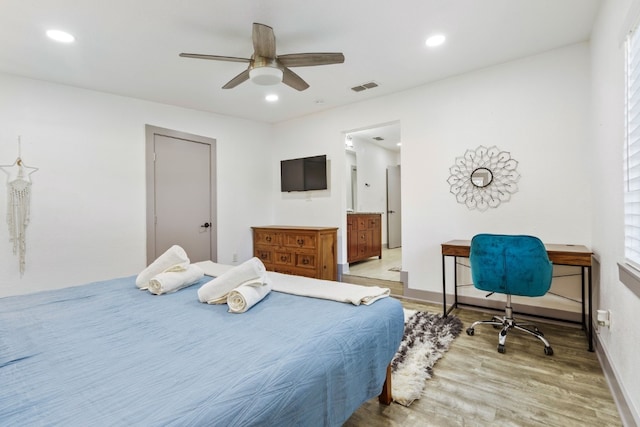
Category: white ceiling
[386,136]
[131,47]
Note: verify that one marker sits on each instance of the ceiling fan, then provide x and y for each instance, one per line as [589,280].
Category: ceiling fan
[267,68]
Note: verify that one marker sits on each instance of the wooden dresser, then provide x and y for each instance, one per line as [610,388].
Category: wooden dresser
[303,251]
[364,236]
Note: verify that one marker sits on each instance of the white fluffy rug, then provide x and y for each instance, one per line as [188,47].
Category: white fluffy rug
[426,338]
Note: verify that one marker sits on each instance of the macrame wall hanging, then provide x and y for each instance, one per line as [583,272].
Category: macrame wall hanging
[18,204]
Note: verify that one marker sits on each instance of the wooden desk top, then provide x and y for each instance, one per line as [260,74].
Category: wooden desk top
[577,255]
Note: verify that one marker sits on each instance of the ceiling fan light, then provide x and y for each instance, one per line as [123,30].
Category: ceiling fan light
[266,76]
[435,40]
[60,36]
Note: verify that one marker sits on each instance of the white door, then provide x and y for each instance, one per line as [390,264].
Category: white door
[394,225]
[183,196]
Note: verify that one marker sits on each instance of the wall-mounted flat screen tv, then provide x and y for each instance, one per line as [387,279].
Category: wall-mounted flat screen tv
[304,174]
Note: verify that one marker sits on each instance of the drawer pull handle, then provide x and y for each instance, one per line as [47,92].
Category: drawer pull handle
[283,258]
[305,261]
[300,242]
[268,238]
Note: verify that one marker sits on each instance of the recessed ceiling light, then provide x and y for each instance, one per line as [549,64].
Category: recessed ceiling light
[60,36]
[435,40]
[271,97]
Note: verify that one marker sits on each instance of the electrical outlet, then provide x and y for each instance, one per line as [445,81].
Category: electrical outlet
[603,318]
[235,257]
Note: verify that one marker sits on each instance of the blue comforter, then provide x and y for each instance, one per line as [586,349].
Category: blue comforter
[107,353]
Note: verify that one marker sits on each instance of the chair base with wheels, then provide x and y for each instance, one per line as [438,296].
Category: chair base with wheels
[506,323]
[510,265]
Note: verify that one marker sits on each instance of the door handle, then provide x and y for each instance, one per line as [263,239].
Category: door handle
[391,211]
[206,225]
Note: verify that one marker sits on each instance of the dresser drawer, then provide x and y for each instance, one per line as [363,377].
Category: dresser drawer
[367,222]
[306,261]
[299,240]
[373,223]
[263,254]
[266,238]
[283,258]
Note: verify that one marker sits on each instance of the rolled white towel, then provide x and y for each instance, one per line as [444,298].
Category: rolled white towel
[247,295]
[171,281]
[216,290]
[174,259]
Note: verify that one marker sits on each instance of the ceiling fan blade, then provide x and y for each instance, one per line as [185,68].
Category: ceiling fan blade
[264,41]
[292,79]
[240,78]
[310,59]
[214,57]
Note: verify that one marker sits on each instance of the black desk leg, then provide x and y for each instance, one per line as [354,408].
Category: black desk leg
[444,289]
[455,281]
[590,316]
[444,286]
[583,283]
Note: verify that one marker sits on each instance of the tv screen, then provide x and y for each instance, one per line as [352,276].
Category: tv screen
[308,173]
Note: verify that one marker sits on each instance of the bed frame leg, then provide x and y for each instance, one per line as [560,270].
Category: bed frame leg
[385,397]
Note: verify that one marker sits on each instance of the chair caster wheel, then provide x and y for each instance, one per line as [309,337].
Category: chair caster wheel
[501,348]
[470,331]
[548,351]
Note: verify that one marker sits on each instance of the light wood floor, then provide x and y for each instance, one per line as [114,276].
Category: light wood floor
[474,385]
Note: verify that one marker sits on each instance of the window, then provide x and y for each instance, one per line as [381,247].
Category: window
[632,152]
[631,276]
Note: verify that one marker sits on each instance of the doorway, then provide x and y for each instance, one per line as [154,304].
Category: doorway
[373,185]
[181,194]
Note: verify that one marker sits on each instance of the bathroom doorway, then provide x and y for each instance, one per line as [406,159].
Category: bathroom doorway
[371,153]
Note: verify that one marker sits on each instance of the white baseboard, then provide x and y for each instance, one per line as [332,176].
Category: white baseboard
[629,417]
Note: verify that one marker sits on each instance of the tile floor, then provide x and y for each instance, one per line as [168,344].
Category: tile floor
[379,268]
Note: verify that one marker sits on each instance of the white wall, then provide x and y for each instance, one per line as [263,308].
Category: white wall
[536,108]
[372,161]
[88,203]
[313,208]
[621,342]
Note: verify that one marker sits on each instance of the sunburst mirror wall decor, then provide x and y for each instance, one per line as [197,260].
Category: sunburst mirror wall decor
[483,178]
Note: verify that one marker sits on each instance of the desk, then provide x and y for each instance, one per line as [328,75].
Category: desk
[573,255]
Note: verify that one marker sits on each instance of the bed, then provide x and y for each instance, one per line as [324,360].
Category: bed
[107,353]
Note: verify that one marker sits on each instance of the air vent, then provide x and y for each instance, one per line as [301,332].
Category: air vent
[364,86]
[378,138]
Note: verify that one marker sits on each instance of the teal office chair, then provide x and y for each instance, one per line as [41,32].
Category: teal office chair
[511,265]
